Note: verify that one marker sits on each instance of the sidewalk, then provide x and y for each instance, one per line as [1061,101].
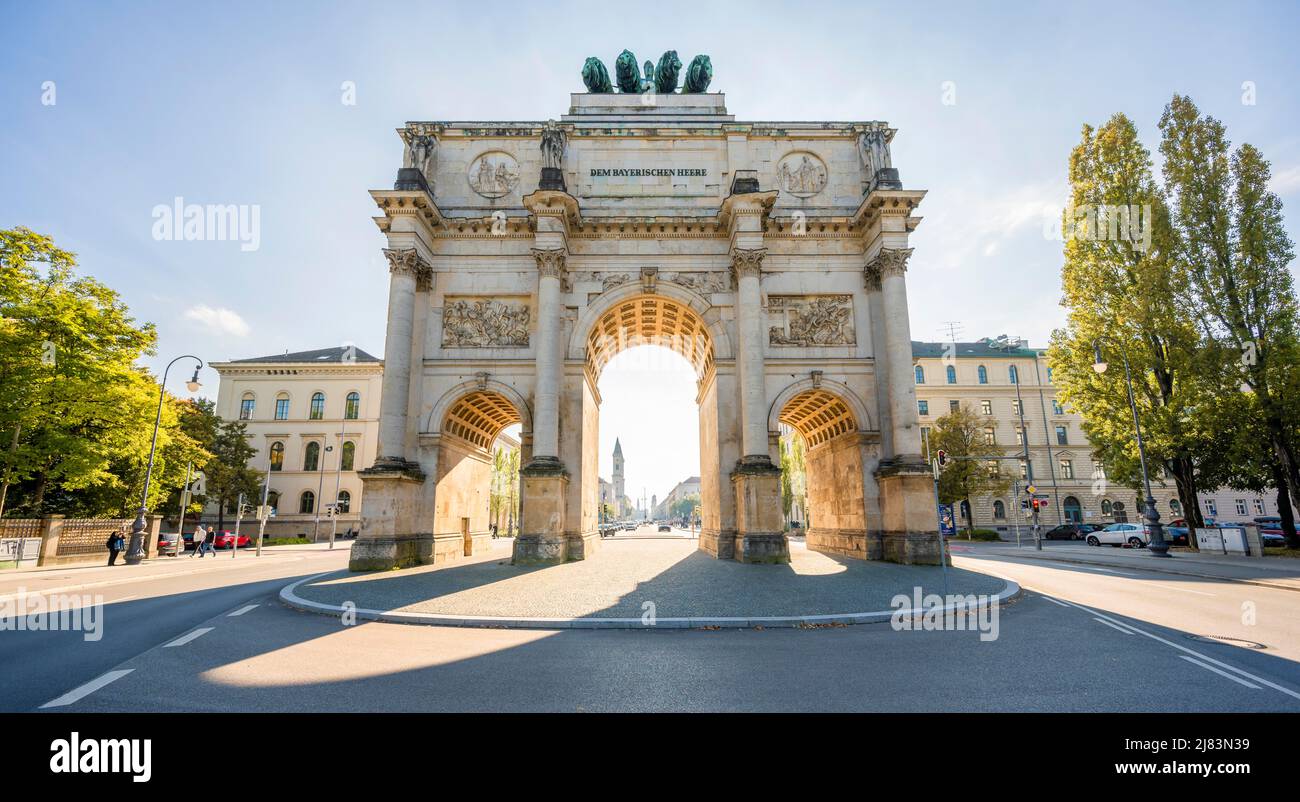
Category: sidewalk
[1276,572]
[58,578]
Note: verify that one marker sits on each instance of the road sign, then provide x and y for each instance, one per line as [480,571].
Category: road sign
[1031,490]
[946,524]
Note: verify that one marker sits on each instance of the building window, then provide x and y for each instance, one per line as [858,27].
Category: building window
[1106,506]
[349,456]
[1175,507]
[999,510]
[1098,470]
[1121,514]
[1013,374]
[1049,375]
[307,502]
[352,409]
[1210,507]
[246,405]
[983,374]
[311,457]
[986,407]
[1020,436]
[1241,506]
[345,501]
[1015,406]
[952,374]
[282,406]
[953,406]
[1067,469]
[1061,438]
[923,407]
[273,500]
[1024,469]
[1057,409]
[992,467]
[1259,506]
[277,456]
[990,435]
[920,375]
[317,406]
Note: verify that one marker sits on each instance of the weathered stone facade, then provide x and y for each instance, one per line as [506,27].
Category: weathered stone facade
[772,256]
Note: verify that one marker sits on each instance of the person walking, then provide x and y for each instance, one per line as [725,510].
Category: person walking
[116,543]
[199,538]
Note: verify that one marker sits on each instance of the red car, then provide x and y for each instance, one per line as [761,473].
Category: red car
[225,540]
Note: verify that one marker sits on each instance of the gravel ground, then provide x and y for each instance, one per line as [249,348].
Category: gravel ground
[678,579]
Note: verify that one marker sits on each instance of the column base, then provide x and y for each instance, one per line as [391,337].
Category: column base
[542,541]
[719,545]
[389,519]
[846,542]
[911,527]
[759,524]
[387,553]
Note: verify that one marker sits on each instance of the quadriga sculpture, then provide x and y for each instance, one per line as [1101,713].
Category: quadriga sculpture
[596,77]
[698,75]
[626,73]
[665,76]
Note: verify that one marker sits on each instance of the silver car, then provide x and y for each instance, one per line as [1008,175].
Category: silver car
[1133,535]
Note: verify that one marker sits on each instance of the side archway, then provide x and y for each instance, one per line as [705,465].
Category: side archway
[831,421]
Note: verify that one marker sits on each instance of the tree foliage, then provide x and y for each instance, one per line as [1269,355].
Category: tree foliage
[973,469]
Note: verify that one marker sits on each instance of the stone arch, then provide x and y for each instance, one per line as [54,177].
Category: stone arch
[433,424]
[664,292]
[830,419]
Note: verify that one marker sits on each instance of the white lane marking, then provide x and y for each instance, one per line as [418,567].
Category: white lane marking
[242,610]
[1098,568]
[1208,667]
[187,637]
[1182,648]
[1187,590]
[1054,601]
[1125,630]
[77,694]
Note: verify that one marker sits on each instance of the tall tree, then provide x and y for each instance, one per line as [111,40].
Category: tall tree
[1233,244]
[973,470]
[1118,287]
[227,473]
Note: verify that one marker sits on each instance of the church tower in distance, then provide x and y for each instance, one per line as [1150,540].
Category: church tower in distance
[618,479]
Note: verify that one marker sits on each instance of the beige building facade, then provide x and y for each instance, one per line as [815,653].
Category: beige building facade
[313,418]
[1009,384]
[524,255]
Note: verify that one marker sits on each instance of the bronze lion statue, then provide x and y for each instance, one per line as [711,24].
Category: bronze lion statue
[595,76]
[626,72]
[666,72]
[698,75]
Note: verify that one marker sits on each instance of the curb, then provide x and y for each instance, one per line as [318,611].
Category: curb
[1263,583]
[290,598]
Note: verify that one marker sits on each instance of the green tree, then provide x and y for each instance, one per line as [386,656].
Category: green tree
[227,473]
[1233,244]
[77,411]
[973,469]
[794,481]
[1119,286]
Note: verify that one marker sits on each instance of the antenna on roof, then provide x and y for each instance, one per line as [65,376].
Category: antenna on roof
[953,328]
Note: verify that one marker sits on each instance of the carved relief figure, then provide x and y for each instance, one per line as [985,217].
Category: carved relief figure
[702,282]
[801,174]
[484,323]
[419,153]
[553,141]
[812,320]
[874,151]
[494,174]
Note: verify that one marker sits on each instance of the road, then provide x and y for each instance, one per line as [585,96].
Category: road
[1077,640]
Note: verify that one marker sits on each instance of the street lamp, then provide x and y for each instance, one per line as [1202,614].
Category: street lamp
[1157,545]
[135,551]
[320,488]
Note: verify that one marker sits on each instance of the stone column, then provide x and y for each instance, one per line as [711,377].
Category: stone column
[909,519]
[546,402]
[891,265]
[760,536]
[405,267]
[544,481]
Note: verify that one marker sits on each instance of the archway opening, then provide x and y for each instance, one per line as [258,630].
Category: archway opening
[476,493]
[822,472]
[650,361]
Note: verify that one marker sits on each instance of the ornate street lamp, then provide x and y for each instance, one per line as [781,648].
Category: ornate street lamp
[135,551]
[1157,543]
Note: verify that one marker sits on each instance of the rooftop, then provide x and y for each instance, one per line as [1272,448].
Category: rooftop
[988,347]
[321,355]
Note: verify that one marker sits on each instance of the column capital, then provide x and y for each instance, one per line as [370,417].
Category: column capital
[871,276]
[407,261]
[550,261]
[747,262]
[889,262]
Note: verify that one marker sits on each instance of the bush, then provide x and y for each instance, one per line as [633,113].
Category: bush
[984,534]
[285,541]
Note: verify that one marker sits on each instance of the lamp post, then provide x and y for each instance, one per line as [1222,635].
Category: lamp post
[135,551]
[1157,544]
[320,488]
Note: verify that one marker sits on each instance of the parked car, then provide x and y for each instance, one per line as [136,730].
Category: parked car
[1270,530]
[1070,531]
[226,540]
[1132,535]
[665,528]
[629,527]
[167,543]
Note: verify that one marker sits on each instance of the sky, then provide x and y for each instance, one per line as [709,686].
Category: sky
[110,109]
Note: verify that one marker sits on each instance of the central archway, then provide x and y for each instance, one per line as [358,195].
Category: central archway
[684,322]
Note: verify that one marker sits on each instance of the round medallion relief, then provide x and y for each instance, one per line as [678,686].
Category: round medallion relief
[493,174]
[801,173]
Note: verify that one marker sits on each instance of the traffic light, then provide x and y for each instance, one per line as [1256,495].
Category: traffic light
[942,457]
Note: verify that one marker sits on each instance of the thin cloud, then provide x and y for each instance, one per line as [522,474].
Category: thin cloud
[218,320]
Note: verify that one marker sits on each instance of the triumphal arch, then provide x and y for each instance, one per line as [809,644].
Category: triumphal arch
[770,255]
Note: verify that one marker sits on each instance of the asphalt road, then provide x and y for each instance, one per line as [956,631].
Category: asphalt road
[1077,640]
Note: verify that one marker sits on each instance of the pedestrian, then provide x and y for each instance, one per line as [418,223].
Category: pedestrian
[115,544]
[200,535]
[209,541]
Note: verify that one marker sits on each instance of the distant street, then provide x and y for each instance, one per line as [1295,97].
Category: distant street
[1079,639]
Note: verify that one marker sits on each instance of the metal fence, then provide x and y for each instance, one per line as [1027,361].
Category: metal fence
[87,535]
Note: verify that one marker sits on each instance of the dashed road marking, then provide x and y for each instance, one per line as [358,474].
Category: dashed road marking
[1054,601]
[1125,630]
[187,637]
[243,610]
[1209,667]
[1187,590]
[76,694]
